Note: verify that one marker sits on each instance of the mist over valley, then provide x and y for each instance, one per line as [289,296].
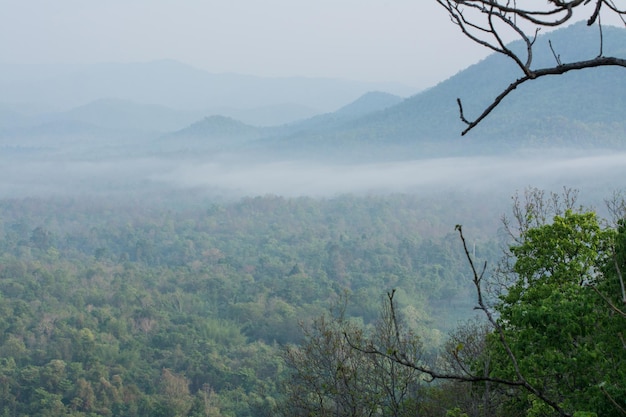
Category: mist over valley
[176,242]
[134,132]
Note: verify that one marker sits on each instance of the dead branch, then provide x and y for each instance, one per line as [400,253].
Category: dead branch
[486,22]
[557,70]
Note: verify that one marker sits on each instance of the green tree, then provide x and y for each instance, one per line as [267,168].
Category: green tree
[41,238]
[553,321]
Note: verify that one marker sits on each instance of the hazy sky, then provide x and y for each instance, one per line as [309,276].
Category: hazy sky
[409,41]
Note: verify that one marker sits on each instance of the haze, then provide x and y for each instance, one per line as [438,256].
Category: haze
[598,174]
[406,41]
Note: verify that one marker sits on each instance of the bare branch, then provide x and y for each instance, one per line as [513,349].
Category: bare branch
[621,280]
[557,58]
[486,22]
[596,14]
[558,70]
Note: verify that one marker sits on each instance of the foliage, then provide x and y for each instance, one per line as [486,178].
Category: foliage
[151,312]
[552,342]
[136,309]
[561,332]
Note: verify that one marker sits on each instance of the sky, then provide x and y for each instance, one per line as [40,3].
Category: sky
[406,41]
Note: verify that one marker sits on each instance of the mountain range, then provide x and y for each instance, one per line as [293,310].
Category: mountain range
[582,108]
[181,87]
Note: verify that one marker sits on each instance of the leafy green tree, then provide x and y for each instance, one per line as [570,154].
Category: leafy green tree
[41,238]
[553,321]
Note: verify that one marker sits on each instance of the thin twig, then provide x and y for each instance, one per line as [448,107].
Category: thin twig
[557,58]
[619,407]
[613,306]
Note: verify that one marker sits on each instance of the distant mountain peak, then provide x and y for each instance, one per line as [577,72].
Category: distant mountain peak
[216,125]
[578,109]
[368,103]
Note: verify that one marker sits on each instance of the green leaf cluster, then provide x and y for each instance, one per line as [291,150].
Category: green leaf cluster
[557,318]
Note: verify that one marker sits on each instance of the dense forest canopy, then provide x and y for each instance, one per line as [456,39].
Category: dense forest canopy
[550,342]
[144,309]
[149,309]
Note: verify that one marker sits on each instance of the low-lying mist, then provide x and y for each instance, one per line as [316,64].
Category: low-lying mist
[297,178]
[597,175]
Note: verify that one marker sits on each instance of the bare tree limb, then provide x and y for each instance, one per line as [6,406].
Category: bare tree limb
[558,70]
[621,280]
[486,22]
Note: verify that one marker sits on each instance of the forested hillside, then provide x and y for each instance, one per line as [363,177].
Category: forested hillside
[579,109]
[139,310]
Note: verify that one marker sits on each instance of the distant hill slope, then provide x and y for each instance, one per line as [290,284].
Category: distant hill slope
[363,106]
[213,133]
[221,132]
[10,118]
[63,136]
[369,103]
[270,115]
[218,126]
[583,108]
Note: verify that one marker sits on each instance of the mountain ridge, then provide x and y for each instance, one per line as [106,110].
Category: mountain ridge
[581,108]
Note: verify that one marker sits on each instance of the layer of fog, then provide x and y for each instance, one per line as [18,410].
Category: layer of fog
[598,173]
[478,173]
